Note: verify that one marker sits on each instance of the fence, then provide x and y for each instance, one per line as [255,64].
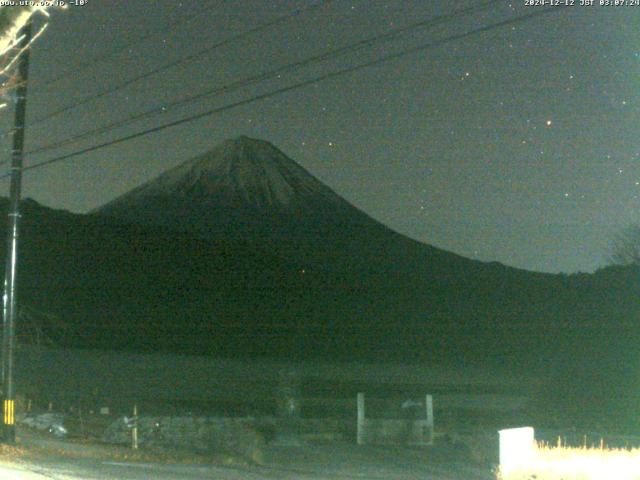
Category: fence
[416,428]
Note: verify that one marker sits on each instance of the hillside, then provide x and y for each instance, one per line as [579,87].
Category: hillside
[243,252]
[345,288]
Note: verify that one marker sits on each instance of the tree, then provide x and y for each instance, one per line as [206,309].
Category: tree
[626,247]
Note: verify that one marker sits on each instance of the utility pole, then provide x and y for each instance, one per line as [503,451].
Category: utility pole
[10,276]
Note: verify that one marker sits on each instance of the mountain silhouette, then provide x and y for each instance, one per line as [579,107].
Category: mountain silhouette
[243,184]
[247,190]
[243,252]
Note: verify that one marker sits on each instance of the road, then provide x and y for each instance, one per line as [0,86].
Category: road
[338,461]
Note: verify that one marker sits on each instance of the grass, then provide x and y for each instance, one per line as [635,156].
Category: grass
[584,463]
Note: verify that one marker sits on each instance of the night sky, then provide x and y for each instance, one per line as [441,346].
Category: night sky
[519,144]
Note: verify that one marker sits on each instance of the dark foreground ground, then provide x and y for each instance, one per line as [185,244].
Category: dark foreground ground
[40,458]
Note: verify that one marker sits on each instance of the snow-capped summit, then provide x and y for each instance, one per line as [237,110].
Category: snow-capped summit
[242,172]
[243,183]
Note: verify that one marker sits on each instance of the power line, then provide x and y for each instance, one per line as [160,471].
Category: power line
[273,73]
[178,62]
[295,86]
[84,65]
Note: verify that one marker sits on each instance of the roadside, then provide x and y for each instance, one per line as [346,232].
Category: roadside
[37,457]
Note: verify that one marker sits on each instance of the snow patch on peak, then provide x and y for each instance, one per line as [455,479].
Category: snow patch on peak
[240,172]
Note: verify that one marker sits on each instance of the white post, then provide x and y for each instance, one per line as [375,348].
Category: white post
[360,435]
[429,406]
[517,448]
[134,430]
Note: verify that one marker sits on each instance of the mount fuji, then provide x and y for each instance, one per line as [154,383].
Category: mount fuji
[242,252]
[242,183]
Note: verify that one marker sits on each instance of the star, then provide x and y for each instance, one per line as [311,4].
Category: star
[549,123]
